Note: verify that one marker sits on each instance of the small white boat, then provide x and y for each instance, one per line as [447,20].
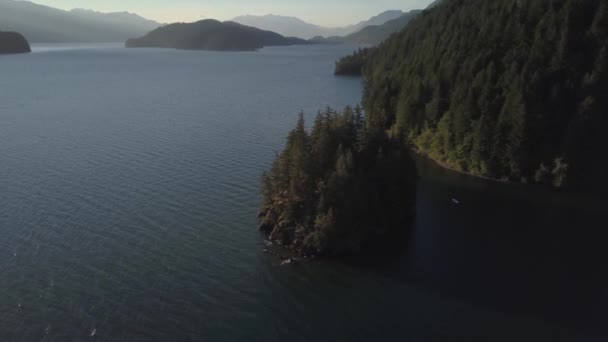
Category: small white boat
[455,201]
[289,261]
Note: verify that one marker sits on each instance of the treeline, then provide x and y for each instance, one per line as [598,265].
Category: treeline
[509,89]
[340,189]
[352,65]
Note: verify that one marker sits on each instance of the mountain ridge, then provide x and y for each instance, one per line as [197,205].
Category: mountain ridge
[297,27]
[375,34]
[45,24]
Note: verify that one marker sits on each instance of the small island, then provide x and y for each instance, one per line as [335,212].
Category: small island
[13,43]
[343,189]
[212,35]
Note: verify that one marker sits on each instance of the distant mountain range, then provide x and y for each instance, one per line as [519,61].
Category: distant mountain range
[43,24]
[212,35]
[376,34]
[291,26]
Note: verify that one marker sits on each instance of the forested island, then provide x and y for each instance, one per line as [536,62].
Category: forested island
[212,35]
[510,90]
[342,189]
[13,43]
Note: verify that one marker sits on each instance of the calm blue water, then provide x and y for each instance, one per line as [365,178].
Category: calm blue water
[128,201]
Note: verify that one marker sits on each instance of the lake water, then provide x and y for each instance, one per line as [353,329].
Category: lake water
[128,200]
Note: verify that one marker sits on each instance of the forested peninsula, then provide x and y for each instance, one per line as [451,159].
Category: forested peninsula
[510,90]
[342,189]
[352,65]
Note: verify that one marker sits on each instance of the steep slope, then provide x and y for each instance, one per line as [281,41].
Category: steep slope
[212,35]
[46,24]
[510,89]
[12,43]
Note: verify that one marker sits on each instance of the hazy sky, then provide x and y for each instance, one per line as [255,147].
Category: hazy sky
[321,12]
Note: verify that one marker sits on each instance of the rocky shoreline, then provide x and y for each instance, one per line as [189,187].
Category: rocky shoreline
[273,226]
[286,258]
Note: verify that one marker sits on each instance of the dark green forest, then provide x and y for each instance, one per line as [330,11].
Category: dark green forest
[352,65]
[512,90]
[340,189]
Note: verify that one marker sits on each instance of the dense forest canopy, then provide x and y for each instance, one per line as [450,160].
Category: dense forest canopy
[352,65]
[507,89]
[512,90]
[341,189]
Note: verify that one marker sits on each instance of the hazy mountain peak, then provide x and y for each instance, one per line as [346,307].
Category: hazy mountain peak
[90,11]
[375,34]
[383,17]
[136,18]
[296,27]
[39,23]
[273,18]
[285,25]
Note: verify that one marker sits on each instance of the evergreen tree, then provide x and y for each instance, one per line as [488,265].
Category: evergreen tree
[340,189]
[498,88]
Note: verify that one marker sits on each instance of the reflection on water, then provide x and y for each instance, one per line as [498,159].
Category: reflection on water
[53,47]
[519,248]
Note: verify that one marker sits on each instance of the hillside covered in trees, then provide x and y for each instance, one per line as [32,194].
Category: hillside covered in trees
[211,35]
[512,90]
[352,65]
[343,188]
